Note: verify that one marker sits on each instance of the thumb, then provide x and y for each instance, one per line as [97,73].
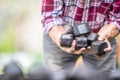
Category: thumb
[109,48]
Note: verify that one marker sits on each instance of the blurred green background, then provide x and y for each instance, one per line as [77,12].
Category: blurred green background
[20,32]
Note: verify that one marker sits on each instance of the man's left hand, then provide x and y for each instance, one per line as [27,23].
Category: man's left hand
[108,32]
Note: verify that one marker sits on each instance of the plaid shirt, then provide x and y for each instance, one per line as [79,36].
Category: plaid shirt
[73,12]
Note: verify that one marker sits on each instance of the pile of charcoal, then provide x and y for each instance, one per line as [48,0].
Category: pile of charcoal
[12,71]
[84,37]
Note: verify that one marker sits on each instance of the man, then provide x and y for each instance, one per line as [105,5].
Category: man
[103,17]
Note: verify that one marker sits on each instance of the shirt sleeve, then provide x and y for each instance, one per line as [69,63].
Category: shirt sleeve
[114,15]
[52,11]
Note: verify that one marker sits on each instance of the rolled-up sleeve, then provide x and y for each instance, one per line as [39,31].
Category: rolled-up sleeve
[52,12]
[114,15]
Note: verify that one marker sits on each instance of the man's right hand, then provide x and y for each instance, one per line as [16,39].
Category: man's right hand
[55,34]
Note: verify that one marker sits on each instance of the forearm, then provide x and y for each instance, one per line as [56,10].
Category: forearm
[113,18]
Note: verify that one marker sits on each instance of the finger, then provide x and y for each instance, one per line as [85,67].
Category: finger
[68,50]
[73,45]
[102,35]
[89,47]
[109,48]
[82,50]
[72,49]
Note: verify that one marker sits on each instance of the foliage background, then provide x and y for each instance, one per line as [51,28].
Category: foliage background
[20,32]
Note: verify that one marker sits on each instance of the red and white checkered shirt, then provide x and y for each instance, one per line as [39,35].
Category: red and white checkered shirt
[73,12]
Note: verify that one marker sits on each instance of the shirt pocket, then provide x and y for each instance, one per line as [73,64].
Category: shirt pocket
[103,10]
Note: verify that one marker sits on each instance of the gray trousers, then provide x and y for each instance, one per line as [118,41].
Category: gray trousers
[56,59]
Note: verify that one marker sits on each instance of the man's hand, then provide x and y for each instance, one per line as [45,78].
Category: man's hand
[55,34]
[73,51]
[108,32]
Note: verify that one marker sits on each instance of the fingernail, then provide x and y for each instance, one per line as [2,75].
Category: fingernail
[88,47]
[83,48]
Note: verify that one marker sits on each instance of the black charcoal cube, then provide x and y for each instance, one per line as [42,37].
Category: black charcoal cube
[66,40]
[92,37]
[80,42]
[81,29]
[98,47]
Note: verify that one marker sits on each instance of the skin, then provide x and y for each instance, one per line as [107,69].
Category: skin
[106,33]
[55,34]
